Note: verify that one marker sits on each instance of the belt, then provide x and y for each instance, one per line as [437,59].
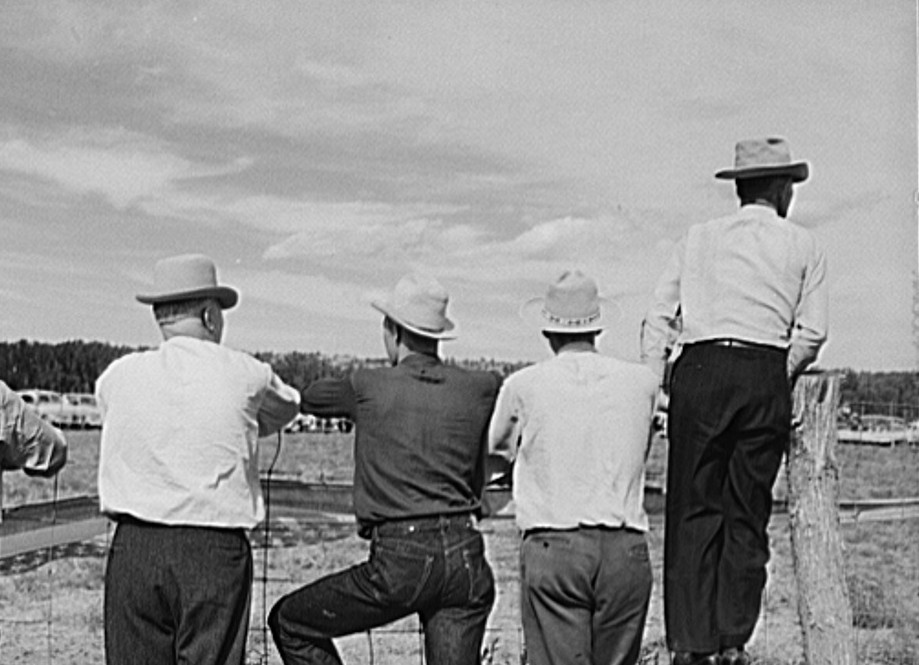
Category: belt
[409,525]
[581,527]
[730,342]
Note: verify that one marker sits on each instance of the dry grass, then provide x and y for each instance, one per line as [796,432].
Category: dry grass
[882,567]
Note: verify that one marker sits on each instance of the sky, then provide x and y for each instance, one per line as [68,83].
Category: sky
[318,151]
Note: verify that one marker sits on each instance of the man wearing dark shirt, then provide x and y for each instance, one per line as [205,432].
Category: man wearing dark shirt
[419,454]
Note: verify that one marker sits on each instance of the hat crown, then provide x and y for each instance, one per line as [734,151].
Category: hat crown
[187,272]
[188,276]
[761,152]
[755,158]
[573,300]
[419,303]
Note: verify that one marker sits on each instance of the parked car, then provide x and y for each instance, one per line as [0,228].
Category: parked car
[84,410]
[49,405]
[878,430]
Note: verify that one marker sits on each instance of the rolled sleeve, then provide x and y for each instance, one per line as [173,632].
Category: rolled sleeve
[662,323]
[811,317]
[503,429]
[329,398]
[28,442]
[280,405]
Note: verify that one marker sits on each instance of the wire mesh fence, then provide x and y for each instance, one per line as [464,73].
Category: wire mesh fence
[51,600]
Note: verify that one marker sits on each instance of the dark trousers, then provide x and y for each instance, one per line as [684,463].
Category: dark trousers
[177,595]
[584,595]
[433,566]
[729,426]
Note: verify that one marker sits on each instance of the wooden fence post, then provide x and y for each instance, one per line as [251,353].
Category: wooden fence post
[816,542]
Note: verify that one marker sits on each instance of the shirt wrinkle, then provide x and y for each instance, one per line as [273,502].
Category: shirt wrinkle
[752,276]
[582,421]
[180,433]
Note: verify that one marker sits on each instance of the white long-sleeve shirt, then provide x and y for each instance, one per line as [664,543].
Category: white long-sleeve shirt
[579,426]
[752,276]
[180,433]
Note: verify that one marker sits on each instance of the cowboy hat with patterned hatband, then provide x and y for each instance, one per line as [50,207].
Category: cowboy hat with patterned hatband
[571,305]
[757,158]
[419,304]
[185,277]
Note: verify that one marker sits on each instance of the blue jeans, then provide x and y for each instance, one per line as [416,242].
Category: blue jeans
[176,594]
[584,595]
[432,566]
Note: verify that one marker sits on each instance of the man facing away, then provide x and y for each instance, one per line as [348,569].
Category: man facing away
[747,297]
[419,476]
[178,473]
[577,427]
[26,441]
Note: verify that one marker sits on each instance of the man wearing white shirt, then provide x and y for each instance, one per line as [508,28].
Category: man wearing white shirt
[178,472]
[745,300]
[577,427]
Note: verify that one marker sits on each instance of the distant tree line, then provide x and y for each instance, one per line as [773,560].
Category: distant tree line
[73,366]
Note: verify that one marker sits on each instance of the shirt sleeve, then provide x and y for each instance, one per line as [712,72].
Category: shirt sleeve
[811,317]
[504,428]
[663,323]
[26,441]
[280,405]
[329,398]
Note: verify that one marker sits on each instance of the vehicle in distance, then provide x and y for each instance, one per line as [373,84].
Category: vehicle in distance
[84,410]
[878,430]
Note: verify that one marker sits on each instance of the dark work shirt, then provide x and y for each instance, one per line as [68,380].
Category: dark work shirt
[420,435]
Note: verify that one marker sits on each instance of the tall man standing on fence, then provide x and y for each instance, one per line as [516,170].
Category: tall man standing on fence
[178,473]
[745,299]
[578,427]
[419,477]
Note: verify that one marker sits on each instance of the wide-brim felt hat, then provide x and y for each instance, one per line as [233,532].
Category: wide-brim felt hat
[186,277]
[419,303]
[757,158]
[571,305]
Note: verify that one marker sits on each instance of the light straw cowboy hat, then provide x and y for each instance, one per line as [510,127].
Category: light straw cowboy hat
[185,277]
[419,304]
[571,305]
[755,158]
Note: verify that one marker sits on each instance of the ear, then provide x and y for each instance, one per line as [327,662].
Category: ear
[208,319]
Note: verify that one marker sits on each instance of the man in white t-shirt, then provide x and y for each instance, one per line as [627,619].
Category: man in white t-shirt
[178,472]
[577,427]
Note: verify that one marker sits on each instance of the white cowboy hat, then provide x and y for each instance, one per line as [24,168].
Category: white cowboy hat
[185,277]
[755,158]
[571,305]
[419,304]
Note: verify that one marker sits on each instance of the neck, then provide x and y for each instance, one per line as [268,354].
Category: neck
[187,328]
[406,350]
[580,346]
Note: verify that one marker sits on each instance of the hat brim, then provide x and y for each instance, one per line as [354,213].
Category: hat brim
[532,312]
[798,172]
[450,331]
[224,295]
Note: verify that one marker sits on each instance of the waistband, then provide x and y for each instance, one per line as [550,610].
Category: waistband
[730,342]
[405,526]
[535,531]
[129,520]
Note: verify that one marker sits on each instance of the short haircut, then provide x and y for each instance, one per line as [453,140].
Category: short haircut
[767,188]
[173,310]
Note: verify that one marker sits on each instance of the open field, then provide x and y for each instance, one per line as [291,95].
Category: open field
[51,606]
